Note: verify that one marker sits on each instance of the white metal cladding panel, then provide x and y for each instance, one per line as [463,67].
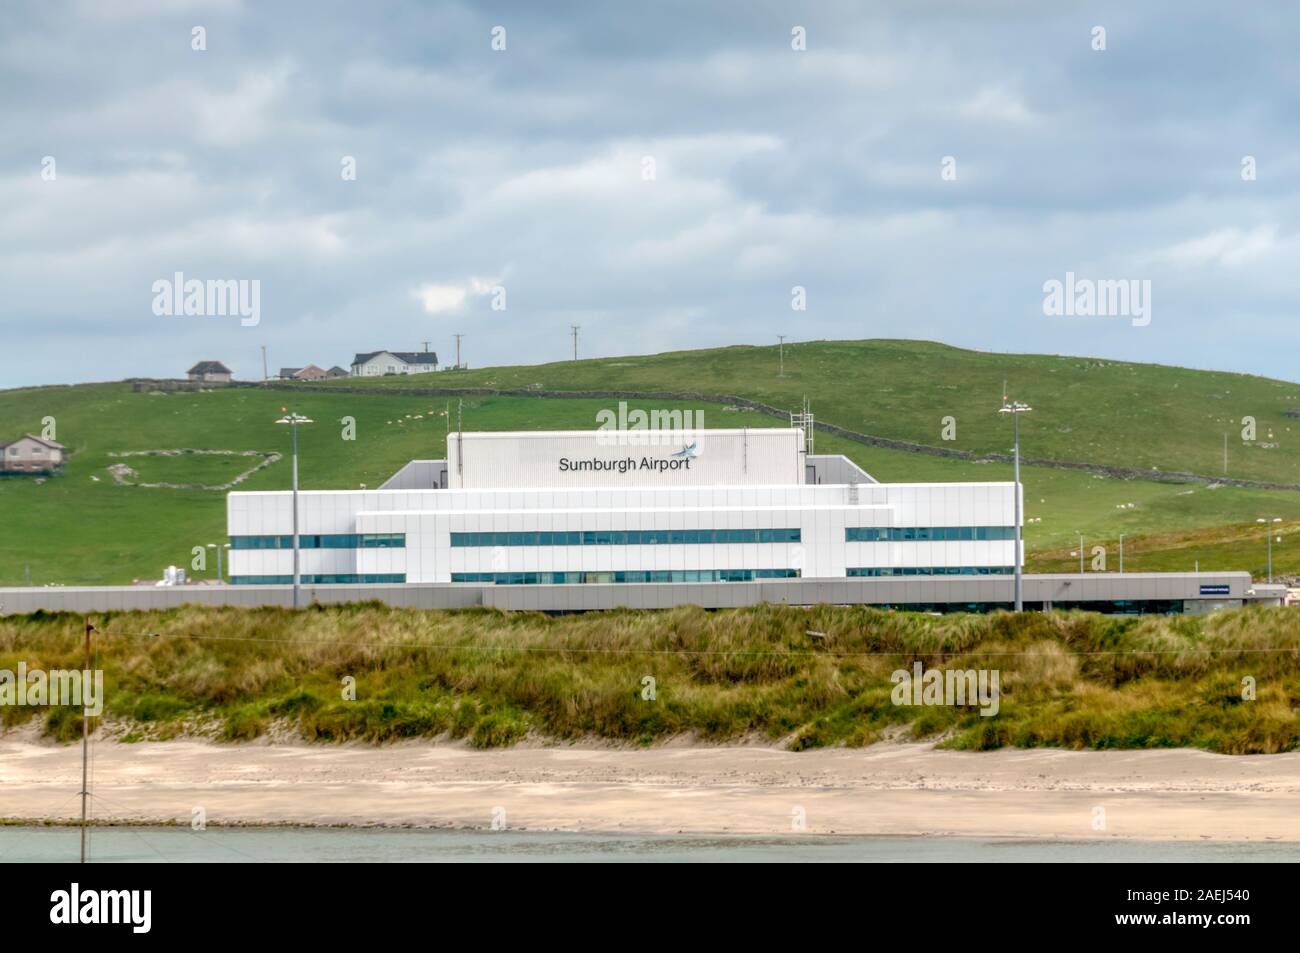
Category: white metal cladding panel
[382,560]
[920,553]
[279,562]
[332,511]
[251,505]
[724,458]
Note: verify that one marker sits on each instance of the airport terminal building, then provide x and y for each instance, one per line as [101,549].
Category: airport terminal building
[590,520]
[563,508]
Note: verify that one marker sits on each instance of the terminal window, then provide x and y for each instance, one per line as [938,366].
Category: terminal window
[627,537]
[905,534]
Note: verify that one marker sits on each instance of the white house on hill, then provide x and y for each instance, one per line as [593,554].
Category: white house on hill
[379,363]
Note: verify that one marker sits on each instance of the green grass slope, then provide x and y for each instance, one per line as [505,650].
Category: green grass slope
[81,528]
[1085,409]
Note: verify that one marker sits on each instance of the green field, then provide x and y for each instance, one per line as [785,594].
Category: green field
[80,528]
[1085,409]
[1066,680]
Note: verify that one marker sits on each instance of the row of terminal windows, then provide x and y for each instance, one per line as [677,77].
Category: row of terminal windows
[897,534]
[631,575]
[627,537]
[326,541]
[930,571]
[320,580]
[1116,607]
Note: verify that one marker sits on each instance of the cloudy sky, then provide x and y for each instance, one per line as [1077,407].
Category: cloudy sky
[662,174]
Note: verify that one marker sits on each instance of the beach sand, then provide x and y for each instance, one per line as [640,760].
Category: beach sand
[751,789]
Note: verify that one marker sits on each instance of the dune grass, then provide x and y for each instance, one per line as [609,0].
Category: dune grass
[802,677]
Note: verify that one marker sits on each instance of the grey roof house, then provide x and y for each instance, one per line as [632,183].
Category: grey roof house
[309,373]
[378,363]
[213,372]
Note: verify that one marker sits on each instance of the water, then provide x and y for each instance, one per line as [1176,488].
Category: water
[20,844]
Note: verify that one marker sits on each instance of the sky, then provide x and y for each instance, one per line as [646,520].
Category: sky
[667,176]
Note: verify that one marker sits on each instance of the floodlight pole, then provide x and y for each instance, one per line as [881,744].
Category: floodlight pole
[1020,603]
[1015,409]
[217,547]
[293,420]
[293,426]
[1269,530]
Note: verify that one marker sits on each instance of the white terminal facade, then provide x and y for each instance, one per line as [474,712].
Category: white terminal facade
[607,506]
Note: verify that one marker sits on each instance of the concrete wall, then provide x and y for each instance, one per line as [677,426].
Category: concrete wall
[835,468]
[418,475]
[1038,588]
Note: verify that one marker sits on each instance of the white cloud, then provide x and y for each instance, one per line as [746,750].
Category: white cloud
[451,298]
[1229,247]
[998,104]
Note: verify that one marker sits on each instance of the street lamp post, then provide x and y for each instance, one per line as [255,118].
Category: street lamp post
[293,420]
[1269,530]
[218,548]
[1015,409]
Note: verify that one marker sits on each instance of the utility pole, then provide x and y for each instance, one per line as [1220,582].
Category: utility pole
[458,337]
[1121,553]
[781,358]
[85,747]
[576,328]
[265,374]
[1080,554]
[1225,454]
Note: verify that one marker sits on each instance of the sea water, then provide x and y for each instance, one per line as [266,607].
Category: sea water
[20,844]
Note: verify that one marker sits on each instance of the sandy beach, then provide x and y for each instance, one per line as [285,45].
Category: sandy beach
[752,789]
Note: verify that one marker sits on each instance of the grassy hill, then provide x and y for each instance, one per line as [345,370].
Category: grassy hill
[82,528]
[1085,409]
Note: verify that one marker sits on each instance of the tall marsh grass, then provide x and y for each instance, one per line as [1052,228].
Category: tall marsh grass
[804,677]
